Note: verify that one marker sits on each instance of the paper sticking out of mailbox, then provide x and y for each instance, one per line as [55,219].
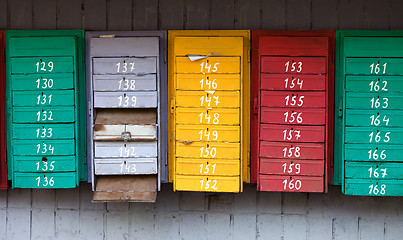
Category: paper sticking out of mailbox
[195,57]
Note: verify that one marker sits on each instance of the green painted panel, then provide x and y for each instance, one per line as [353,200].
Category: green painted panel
[43,115]
[42,65]
[374,84]
[373,135]
[43,131]
[361,187]
[44,180]
[42,45]
[378,118]
[44,148]
[373,170]
[43,98]
[367,152]
[374,66]
[376,45]
[42,82]
[386,101]
[45,164]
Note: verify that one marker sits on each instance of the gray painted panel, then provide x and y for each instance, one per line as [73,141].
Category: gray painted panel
[129,149]
[129,83]
[130,46]
[125,166]
[125,99]
[124,65]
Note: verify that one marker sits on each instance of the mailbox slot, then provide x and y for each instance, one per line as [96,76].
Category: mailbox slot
[126,80]
[291,125]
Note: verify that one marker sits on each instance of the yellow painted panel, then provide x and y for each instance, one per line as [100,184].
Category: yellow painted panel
[207,133]
[210,65]
[208,98]
[208,150]
[206,45]
[223,116]
[214,82]
[180,48]
[211,167]
[207,184]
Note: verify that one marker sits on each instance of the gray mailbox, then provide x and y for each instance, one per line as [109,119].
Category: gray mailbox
[127,114]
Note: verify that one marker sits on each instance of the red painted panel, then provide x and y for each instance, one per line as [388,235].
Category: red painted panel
[272,75]
[293,46]
[292,150]
[3,136]
[284,183]
[293,116]
[292,133]
[296,65]
[293,82]
[292,167]
[293,99]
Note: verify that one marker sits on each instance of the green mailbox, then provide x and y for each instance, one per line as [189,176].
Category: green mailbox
[46,108]
[369,113]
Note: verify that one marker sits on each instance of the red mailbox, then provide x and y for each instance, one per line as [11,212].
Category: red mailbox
[292,90]
[3,137]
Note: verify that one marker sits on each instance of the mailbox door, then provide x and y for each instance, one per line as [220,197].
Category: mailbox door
[126,120]
[3,136]
[209,92]
[369,112]
[292,78]
[46,89]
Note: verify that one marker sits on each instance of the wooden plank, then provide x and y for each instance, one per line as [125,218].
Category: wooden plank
[171,16]
[20,14]
[196,14]
[377,14]
[247,14]
[94,15]
[298,14]
[145,15]
[222,14]
[395,14]
[324,14]
[3,14]
[351,14]
[273,15]
[69,14]
[119,15]
[44,14]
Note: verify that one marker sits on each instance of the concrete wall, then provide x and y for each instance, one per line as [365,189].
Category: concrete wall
[69,214]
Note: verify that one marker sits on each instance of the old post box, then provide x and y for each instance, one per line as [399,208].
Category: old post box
[3,136]
[292,110]
[127,115]
[208,115]
[369,112]
[46,108]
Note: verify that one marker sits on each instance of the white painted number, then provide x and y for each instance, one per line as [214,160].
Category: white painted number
[127,84]
[374,86]
[44,148]
[375,103]
[292,117]
[206,134]
[44,132]
[292,151]
[293,83]
[126,101]
[208,185]
[374,154]
[291,133]
[44,116]
[375,190]
[126,151]
[206,67]
[377,137]
[207,117]
[293,66]
[294,168]
[46,182]
[44,83]
[45,166]
[124,67]
[376,69]
[375,173]
[294,100]
[208,152]
[205,169]
[292,184]
[127,168]
[207,83]
[43,67]
[44,99]
[376,121]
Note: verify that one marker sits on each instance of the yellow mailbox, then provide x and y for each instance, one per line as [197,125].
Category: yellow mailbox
[209,93]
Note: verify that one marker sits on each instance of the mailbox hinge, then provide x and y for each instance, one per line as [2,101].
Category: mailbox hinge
[172,106]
